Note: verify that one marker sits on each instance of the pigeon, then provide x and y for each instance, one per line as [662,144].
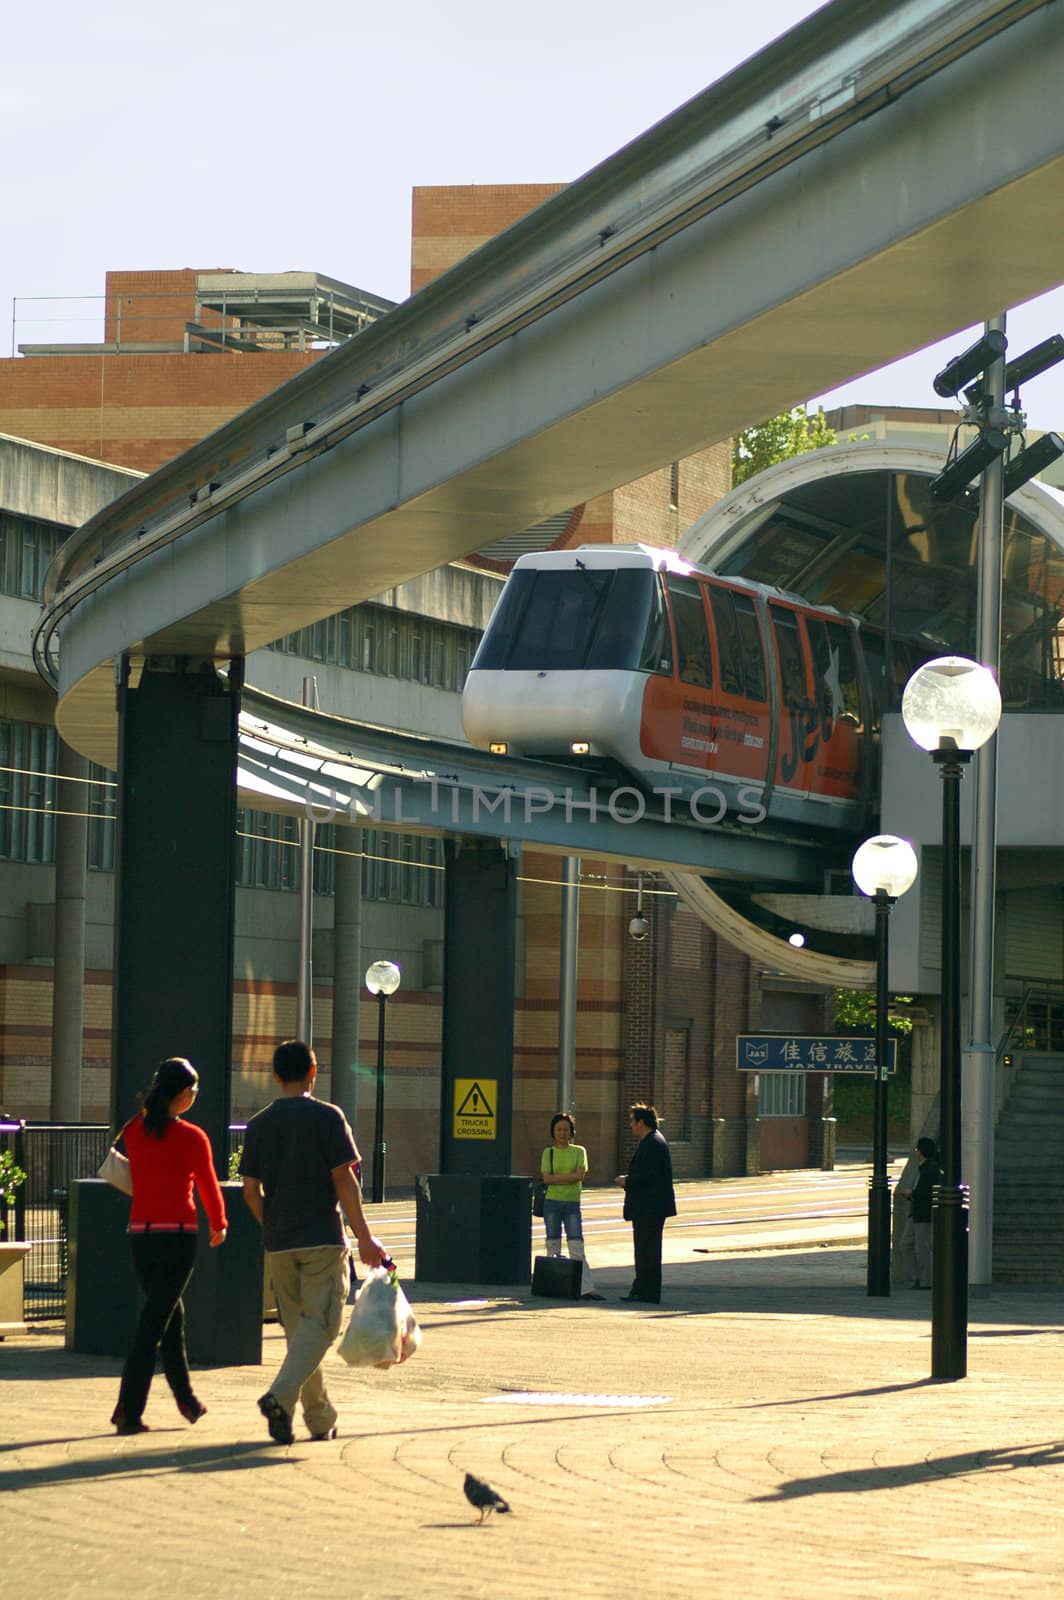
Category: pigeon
[483,1496]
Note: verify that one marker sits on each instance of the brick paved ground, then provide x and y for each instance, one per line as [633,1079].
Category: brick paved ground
[769,1431]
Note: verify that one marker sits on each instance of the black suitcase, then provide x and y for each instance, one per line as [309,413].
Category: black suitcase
[557,1277]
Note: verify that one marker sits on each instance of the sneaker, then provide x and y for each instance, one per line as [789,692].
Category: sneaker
[192,1409]
[277,1420]
[330,1433]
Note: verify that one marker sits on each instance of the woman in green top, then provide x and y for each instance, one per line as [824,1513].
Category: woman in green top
[563,1169]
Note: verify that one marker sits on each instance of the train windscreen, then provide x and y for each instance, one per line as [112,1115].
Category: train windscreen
[553,620]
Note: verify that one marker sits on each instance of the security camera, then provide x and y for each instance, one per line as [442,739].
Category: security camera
[638,928]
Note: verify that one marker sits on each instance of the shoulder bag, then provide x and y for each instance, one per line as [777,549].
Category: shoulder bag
[114,1169]
[539,1192]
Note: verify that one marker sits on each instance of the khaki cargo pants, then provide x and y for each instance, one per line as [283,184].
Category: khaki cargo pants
[311,1287]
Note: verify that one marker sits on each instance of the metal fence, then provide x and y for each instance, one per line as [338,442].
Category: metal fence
[53,1156]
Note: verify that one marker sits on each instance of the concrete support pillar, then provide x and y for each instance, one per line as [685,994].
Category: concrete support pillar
[347,971]
[174,883]
[68,977]
[480,920]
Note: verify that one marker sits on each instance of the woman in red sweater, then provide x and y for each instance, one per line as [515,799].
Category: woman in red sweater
[167,1157]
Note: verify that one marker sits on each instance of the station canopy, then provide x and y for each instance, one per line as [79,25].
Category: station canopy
[856,527]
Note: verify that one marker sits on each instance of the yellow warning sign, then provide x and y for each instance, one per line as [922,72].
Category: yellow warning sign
[475,1100]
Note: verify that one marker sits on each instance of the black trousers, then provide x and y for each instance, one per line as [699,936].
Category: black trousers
[646,1240]
[163,1265]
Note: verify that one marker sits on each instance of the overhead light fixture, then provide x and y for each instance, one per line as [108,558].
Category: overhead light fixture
[797,939]
[958,473]
[1030,462]
[969,364]
[498,747]
[579,747]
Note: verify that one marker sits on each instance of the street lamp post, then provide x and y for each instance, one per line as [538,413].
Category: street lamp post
[382,979]
[884,868]
[950,707]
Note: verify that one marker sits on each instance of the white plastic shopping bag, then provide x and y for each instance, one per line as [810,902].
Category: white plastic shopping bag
[382,1330]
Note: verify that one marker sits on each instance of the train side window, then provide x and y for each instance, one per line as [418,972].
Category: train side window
[753,649]
[729,645]
[826,693]
[840,637]
[692,635]
[792,662]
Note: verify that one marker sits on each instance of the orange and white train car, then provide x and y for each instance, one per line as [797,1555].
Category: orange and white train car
[734,696]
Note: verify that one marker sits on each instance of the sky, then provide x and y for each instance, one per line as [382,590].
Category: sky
[268,139]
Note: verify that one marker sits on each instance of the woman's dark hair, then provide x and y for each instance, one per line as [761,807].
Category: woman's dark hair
[645,1114]
[562,1116]
[171,1077]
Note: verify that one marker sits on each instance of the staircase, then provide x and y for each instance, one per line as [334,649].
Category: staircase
[1029,1176]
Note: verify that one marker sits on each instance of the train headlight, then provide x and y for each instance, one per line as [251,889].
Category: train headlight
[580,747]
[498,747]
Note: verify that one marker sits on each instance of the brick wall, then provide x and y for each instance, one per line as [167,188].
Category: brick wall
[152,307]
[599,1012]
[134,410]
[685,979]
[646,512]
[449,222]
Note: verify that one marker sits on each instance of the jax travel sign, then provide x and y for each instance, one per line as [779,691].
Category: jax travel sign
[790,1052]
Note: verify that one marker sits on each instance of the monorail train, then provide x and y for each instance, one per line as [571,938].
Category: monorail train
[732,696]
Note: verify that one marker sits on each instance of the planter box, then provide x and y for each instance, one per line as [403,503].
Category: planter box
[12,1257]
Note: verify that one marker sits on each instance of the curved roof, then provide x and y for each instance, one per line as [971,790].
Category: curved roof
[817,525]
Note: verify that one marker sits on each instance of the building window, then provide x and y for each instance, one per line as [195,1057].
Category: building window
[26,550]
[1040,1026]
[267,851]
[27,792]
[397,868]
[101,791]
[781,1094]
[388,644]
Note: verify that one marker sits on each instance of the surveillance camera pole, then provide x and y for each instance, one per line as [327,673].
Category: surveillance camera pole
[979,1055]
[567,981]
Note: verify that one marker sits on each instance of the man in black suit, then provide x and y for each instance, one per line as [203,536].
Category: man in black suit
[648,1199]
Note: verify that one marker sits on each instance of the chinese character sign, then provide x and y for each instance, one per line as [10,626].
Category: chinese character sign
[765,1052]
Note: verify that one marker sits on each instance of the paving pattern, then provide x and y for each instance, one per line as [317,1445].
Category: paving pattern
[768,1431]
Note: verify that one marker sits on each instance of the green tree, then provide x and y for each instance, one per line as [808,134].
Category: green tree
[11,1175]
[790,434]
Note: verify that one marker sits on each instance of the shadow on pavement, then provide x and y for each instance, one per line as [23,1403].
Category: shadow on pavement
[845,1394]
[862,1479]
[204,1458]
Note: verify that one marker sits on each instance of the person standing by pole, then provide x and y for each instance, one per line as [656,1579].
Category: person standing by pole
[649,1198]
[920,1196]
